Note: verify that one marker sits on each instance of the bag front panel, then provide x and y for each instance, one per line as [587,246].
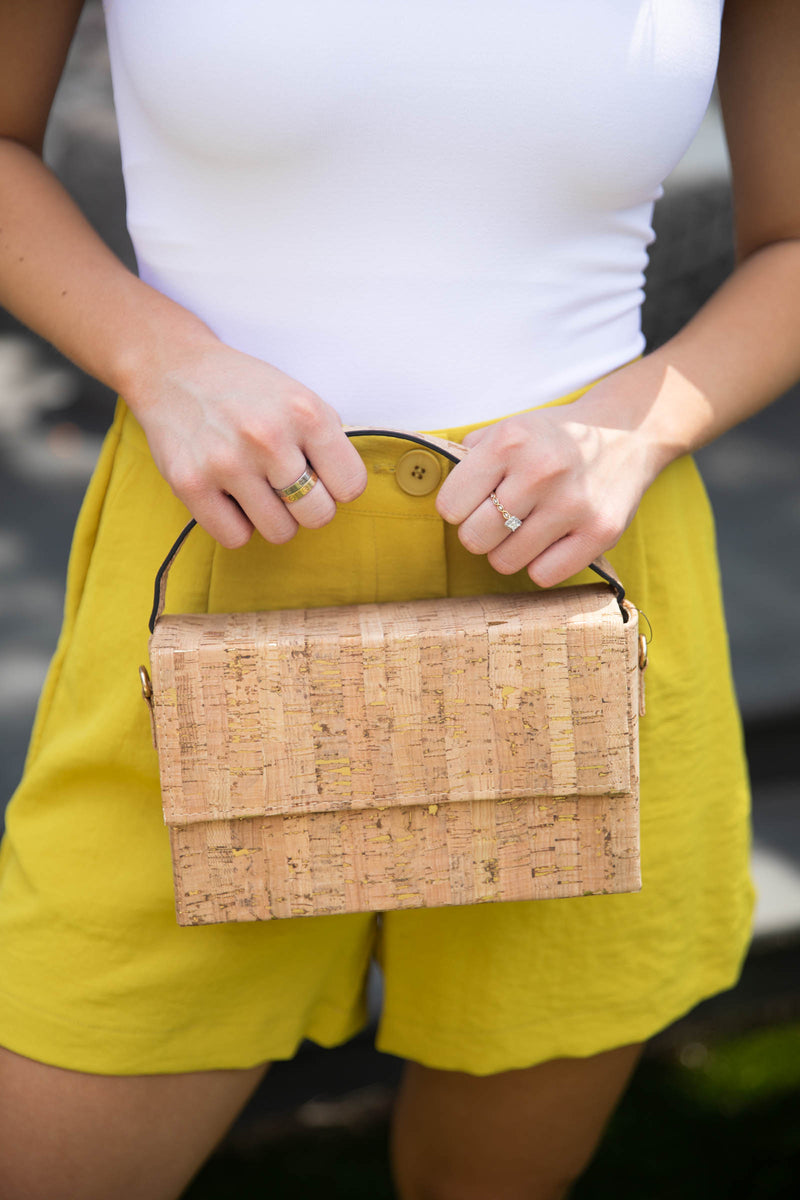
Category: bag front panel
[395,704]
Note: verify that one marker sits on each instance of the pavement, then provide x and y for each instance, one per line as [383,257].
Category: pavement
[52,419]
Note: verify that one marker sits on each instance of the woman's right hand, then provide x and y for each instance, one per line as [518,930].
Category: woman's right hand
[224,429]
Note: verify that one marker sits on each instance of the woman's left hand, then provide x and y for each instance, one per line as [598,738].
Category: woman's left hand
[574,474]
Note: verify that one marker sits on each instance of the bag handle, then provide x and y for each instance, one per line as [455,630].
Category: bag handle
[453,451]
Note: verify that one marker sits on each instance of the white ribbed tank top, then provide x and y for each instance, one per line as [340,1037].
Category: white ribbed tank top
[432,212]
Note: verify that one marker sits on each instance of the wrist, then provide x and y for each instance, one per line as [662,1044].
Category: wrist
[166,336]
[652,401]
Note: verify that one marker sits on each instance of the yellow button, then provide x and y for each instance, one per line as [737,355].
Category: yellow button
[418,472]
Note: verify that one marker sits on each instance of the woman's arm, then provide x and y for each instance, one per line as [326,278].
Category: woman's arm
[220,424]
[580,471]
[742,349]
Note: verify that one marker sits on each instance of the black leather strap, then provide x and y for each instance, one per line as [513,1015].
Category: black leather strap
[449,450]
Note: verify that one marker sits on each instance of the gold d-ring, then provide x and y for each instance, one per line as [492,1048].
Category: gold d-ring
[147,687]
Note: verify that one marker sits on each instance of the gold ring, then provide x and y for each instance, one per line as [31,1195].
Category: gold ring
[301,486]
[513,523]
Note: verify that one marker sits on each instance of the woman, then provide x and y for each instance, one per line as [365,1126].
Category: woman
[432,217]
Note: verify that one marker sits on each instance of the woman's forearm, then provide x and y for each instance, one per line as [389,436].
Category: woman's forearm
[736,355]
[576,474]
[221,426]
[60,279]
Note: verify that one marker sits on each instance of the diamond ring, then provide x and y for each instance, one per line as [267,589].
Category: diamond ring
[510,522]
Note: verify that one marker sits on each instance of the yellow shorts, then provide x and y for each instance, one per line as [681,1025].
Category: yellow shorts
[95,974]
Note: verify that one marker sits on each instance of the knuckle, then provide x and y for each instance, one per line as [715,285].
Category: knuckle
[188,481]
[469,540]
[550,465]
[573,513]
[223,463]
[307,408]
[353,487]
[501,563]
[541,576]
[507,438]
[235,539]
[232,534]
[320,516]
[280,534]
[444,508]
[605,529]
[262,431]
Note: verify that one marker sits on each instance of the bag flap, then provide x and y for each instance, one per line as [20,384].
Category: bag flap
[371,705]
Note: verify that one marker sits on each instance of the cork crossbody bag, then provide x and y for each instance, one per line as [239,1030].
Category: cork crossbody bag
[398,755]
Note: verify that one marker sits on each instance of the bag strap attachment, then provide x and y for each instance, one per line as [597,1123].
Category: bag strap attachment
[453,451]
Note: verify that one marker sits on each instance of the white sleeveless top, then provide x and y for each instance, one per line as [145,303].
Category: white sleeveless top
[432,212]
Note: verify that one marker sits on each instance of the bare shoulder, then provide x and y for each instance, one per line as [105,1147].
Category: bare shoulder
[759,85]
[35,36]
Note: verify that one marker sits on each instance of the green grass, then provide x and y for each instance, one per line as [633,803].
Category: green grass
[712,1121]
[761,1065]
[715,1122]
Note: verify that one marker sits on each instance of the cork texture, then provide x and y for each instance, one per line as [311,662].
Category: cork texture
[380,859]
[383,756]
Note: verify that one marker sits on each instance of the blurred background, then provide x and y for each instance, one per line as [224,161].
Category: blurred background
[714,1109]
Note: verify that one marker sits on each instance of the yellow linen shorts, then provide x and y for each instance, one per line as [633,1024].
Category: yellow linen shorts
[95,973]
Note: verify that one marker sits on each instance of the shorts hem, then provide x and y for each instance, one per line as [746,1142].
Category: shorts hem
[510,1049]
[106,1050]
